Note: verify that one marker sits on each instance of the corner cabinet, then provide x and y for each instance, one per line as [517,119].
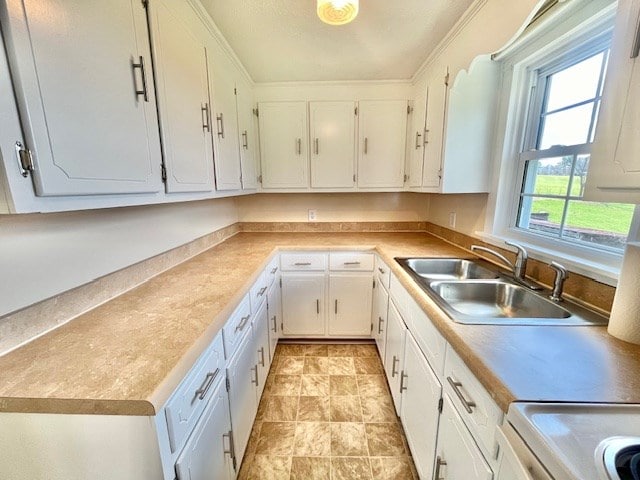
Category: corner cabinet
[283,145]
[91,126]
[248,139]
[614,167]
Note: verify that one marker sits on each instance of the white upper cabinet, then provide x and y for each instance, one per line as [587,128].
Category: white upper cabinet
[332,138]
[382,137]
[614,168]
[437,83]
[84,86]
[225,122]
[283,144]
[417,139]
[247,136]
[183,97]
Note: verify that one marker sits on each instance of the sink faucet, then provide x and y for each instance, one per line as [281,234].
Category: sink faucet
[558,283]
[519,270]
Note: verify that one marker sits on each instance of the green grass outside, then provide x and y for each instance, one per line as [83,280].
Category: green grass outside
[611,217]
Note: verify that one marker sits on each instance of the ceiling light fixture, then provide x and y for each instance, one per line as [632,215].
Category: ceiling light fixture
[337,12]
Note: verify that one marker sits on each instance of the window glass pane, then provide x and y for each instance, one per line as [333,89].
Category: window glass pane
[568,127]
[603,224]
[579,176]
[548,176]
[574,84]
[542,215]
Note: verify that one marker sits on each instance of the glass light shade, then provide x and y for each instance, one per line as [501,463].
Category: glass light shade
[337,12]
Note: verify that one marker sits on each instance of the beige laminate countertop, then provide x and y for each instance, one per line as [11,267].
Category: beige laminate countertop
[128,355]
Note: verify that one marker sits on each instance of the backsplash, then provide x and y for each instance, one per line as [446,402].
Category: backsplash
[333,226]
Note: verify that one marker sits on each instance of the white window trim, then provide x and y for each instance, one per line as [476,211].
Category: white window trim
[576,23]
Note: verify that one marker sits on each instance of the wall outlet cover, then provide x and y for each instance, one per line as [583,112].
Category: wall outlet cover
[452,219]
[312,215]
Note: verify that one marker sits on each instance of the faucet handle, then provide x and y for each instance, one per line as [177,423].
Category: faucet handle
[558,283]
[522,252]
[520,269]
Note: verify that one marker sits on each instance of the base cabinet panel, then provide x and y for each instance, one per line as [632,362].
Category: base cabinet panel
[379,317]
[303,306]
[350,298]
[394,354]
[274,313]
[261,345]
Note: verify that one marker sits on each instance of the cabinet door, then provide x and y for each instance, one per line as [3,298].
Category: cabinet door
[283,144]
[207,454]
[261,344]
[394,353]
[303,304]
[379,316]
[457,455]
[225,123]
[350,296]
[420,414]
[382,139]
[248,140]
[274,311]
[333,142]
[417,140]
[614,167]
[434,130]
[183,100]
[241,372]
[77,67]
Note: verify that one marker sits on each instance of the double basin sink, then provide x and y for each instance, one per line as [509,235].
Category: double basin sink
[475,292]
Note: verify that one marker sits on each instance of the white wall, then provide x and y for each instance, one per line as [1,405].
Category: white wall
[42,255]
[470,210]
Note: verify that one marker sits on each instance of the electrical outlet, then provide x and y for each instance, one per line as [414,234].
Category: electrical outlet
[312,215]
[452,219]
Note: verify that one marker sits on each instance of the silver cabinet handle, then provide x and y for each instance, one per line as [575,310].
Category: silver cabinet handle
[220,122]
[261,292]
[351,263]
[402,385]
[205,118]
[302,264]
[380,322]
[255,369]
[274,270]
[261,352]
[245,140]
[393,366]
[299,146]
[231,452]
[243,322]
[336,307]
[275,325]
[381,271]
[426,136]
[468,404]
[317,147]
[143,76]
[418,140]
[366,145]
[635,48]
[318,306]
[206,385]
[439,463]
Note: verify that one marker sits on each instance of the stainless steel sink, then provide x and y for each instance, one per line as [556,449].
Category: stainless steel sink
[448,269]
[496,299]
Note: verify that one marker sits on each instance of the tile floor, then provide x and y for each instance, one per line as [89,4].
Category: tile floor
[327,414]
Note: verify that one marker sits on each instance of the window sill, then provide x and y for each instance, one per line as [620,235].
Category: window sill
[598,271]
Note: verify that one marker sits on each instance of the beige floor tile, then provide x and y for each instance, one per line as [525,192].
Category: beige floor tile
[246,466]
[290,366]
[313,439]
[340,366]
[367,365]
[316,350]
[348,439]
[279,408]
[253,438]
[346,409]
[377,409]
[287,385]
[341,350]
[270,467]
[384,439]
[310,468]
[314,409]
[314,385]
[369,350]
[276,438]
[290,350]
[316,365]
[355,468]
[372,385]
[343,385]
[391,468]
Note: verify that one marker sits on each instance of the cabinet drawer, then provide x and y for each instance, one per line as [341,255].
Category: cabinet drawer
[383,272]
[303,261]
[237,326]
[258,292]
[428,338]
[473,402]
[400,296]
[188,401]
[347,261]
[271,272]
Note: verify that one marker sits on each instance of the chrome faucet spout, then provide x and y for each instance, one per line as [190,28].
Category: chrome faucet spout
[558,282]
[502,258]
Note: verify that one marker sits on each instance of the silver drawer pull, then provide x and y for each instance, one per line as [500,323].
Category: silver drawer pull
[351,263]
[274,270]
[261,352]
[261,292]
[302,264]
[275,325]
[468,404]
[243,322]
[439,463]
[381,271]
[380,321]
[255,368]
[206,385]
[402,385]
[229,452]
[336,307]
[393,366]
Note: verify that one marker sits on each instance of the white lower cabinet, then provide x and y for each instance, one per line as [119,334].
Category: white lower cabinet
[421,400]
[274,314]
[350,296]
[394,354]
[209,453]
[457,455]
[260,331]
[303,306]
[379,316]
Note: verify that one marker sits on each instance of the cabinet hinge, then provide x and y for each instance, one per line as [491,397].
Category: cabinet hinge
[281,326]
[25,159]
[371,328]
[256,112]
[163,171]
[280,281]
[259,178]
[440,173]
[145,3]
[446,79]
[227,384]
[406,177]
[354,177]
[235,91]
[374,283]
[440,404]
[355,111]
[409,109]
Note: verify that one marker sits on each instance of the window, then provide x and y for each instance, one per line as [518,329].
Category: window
[554,161]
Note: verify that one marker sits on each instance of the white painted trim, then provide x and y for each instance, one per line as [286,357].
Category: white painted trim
[333,83]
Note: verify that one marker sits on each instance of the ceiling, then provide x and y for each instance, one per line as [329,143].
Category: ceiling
[284,40]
